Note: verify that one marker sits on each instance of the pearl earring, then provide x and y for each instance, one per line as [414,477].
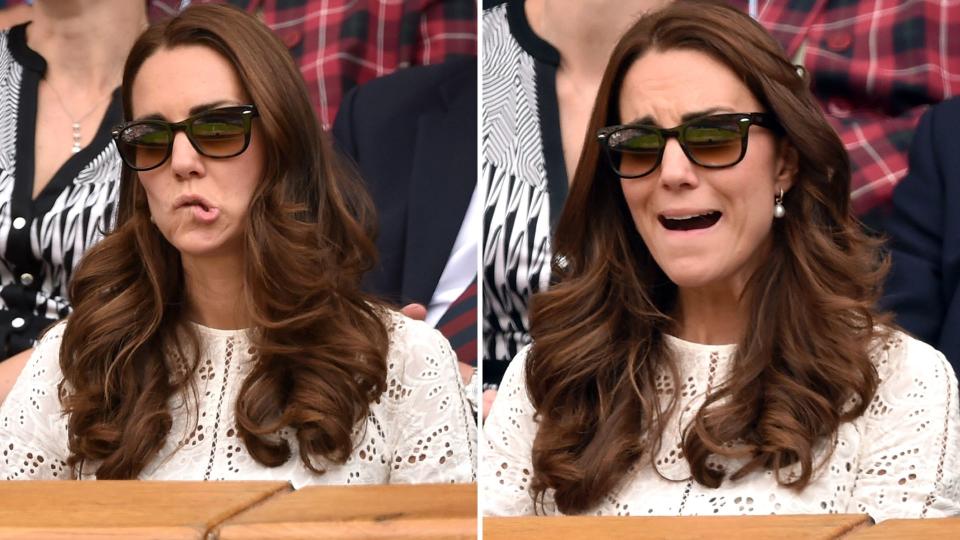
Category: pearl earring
[778,210]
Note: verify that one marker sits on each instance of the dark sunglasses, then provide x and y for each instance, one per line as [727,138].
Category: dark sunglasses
[217,133]
[714,142]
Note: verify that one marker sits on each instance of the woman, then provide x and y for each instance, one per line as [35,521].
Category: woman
[219,331]
[711,345]
[60,173]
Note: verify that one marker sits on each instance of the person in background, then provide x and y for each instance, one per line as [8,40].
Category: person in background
[219,330]
[711,343]
[542,64]
[59,171]
[14,14]
[423,184]
[923,288]
[874,69]
[339,44]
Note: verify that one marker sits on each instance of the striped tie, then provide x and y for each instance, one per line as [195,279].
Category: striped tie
[459,325]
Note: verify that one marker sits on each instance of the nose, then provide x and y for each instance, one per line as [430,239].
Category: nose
[185,161]
[676,169]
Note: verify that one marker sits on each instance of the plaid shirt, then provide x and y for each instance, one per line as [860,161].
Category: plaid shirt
[875,68]
[339,44]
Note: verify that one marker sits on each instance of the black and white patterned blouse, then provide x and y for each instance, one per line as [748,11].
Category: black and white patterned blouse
[525,175]
[42,239]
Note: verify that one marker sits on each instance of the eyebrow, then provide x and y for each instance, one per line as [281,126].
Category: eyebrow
[196,109]
[650,121]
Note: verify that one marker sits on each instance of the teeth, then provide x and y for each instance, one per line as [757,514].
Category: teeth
[691,216]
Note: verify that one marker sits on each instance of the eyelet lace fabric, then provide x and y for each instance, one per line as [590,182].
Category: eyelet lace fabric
[420,430]
[900,459]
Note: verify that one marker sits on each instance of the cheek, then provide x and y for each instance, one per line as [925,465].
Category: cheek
[243,184]
[151,189]
[637,193]
[751,212]
[249,170]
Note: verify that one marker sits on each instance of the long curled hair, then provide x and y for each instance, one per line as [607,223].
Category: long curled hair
[802,365]
[319,343]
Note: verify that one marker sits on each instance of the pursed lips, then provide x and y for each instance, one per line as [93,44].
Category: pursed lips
[202,210]
[192,200]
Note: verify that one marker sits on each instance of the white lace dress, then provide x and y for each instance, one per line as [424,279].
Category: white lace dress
[420,430]
[900,459]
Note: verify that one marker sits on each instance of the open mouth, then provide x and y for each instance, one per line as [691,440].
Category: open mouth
[691,222]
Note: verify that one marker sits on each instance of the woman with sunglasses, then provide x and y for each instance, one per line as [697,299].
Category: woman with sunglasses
[219,331]
[711,345]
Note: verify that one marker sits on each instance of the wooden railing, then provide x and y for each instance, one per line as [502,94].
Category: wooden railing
[214,510]
[272,510]
[853,527]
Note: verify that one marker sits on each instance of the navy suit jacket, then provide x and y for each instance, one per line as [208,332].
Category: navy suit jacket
[923,288]
[413,136]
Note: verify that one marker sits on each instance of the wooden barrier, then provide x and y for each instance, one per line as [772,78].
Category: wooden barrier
[927,529]
[118,509]
[441,511]
[270,510]
[737,527]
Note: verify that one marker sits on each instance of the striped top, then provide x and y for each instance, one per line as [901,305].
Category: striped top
[525,175]
[43,238]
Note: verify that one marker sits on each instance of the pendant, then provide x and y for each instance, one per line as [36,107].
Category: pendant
[76,138]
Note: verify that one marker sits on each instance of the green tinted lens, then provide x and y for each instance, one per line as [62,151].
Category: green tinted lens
[637,150]
[714,143]
[220,134]
[144,145]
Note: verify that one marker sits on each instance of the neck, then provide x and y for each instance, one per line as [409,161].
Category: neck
[214,291]
[711,315]
[85,42]
[585,31]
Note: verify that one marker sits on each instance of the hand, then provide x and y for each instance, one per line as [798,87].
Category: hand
[414,311]
[466,372]
[488,397]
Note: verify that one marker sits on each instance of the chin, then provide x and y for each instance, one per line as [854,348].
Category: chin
[201,248]
[690,282]
[689,276]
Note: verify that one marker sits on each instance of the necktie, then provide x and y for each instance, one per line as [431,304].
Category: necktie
[459,325]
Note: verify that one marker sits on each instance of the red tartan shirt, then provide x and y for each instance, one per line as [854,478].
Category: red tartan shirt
[875,67]
[339,44]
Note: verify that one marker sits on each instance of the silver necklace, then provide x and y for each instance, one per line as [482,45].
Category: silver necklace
[76,122]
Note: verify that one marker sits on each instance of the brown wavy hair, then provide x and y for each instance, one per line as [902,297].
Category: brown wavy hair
[598,333]
[319,343]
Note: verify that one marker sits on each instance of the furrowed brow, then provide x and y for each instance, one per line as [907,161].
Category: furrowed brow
[648,120]
[196,109]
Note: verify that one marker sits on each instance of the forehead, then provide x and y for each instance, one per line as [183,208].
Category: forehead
[665,85]
[174,79]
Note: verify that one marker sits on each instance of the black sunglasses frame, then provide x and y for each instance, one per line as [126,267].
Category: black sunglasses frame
[247,114]
[744,121]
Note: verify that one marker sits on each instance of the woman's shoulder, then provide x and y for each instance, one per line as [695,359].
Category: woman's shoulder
[413,342]
[896,353]
[400,327]
[913,376]
[48,342]
[44,362]
[36,390]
